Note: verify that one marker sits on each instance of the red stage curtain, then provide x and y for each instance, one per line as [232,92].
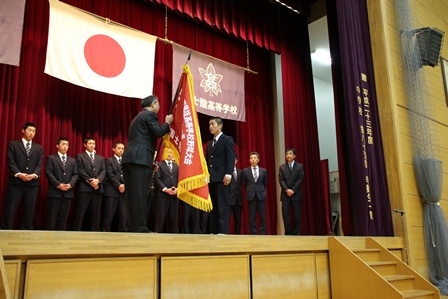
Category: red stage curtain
[301,123]
[238,18]
[60,108]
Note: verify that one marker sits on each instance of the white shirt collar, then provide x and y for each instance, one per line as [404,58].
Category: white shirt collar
[25,142]
[217,136]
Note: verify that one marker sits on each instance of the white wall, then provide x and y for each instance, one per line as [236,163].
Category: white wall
[326,124]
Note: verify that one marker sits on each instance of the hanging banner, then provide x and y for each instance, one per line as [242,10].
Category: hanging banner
[11,20]
[219,86]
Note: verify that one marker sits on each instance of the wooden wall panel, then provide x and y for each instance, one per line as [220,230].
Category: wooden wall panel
[284,276]
[13,271]
[323,276]
[91,278]
[205,277]
[409,180]
[415,208]
[421,266]
[418,243]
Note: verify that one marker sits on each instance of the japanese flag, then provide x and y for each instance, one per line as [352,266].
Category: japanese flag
[88,51]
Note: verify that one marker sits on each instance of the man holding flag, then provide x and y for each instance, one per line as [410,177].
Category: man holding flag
[139,157]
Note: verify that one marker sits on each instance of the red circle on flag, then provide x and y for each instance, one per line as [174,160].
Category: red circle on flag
[104,56]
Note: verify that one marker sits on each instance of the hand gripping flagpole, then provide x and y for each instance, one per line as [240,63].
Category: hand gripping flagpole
[172,104]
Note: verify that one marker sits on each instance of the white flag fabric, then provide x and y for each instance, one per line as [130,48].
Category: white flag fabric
[90,52]
[11,27]
[218,85]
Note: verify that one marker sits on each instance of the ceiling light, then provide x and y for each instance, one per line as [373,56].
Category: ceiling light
[287,6]
[321,56]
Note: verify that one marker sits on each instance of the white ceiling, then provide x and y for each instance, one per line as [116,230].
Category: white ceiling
[318,32]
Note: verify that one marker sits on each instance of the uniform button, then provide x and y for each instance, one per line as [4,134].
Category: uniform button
[26,168]
[94,169]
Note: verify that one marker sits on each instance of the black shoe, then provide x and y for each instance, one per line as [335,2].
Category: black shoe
[142,230]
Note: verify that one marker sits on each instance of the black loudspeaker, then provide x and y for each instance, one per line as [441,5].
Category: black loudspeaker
[430,44]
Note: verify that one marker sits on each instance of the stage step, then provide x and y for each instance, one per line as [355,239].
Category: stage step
[374,272]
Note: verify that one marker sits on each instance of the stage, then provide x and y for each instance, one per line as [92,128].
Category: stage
[48,264]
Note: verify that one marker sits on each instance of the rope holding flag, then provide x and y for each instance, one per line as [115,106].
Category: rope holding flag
[185,142]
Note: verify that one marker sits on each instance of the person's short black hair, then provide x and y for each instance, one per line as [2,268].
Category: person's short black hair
[254,153]
[60,139]
[146,102]
[290,149]
[217,119]
[28,124]
[87,139]
[117,143]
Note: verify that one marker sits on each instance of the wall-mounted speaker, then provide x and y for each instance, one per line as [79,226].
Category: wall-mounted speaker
[430,43]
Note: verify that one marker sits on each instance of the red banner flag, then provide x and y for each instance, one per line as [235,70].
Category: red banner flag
[185,142]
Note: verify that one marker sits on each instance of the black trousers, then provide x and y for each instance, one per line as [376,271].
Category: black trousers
[92,201]
[112,205]
[137,179]
[292,227]
[220,215]
[237,209]
[16,194]
[190,219]
[254,205]
[58,209]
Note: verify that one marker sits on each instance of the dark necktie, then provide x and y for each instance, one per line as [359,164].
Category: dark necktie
[255,174]
[64,163]
[170,166]
[28,149]
[234,174]
[290,165]
[214,142]
[91,158]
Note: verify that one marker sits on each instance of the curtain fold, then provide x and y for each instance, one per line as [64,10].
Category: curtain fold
[238,18]
[364,192]
[300,120]
[429,176]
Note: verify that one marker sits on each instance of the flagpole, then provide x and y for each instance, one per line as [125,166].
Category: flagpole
[165,40]
[178,85]
[172,106]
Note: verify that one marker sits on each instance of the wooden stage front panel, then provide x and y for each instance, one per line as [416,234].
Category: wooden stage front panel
[46,264]
[205,277]
[91,278]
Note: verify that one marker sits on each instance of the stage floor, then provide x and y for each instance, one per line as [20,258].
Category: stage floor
[17,244]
